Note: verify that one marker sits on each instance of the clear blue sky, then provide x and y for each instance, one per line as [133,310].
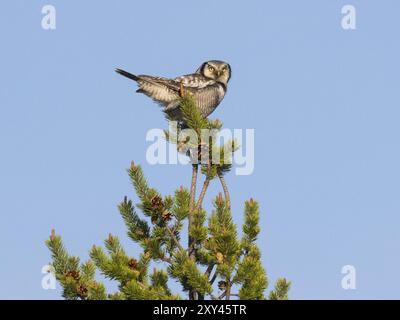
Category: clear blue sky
[324,104]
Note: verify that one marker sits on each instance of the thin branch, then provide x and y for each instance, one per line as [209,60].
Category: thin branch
[213,278]
[226,191]
[193,183]
[222,296]
[202,193]
[228,290]
[209,269]
[166,259]
[191,207]
[174,238]
[205,186]
[195,167]
[201,198]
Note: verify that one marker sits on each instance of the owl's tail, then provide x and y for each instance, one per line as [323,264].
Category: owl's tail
[127,74]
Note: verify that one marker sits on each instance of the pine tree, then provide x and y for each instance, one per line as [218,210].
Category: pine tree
[211,264]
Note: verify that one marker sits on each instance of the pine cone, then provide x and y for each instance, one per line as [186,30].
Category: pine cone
[221,285]
[82,291]
[166,216]
[73,274]
[157,203]
[133,264]
[139,232]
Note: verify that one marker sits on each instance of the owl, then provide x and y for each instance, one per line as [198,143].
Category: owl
[208,86]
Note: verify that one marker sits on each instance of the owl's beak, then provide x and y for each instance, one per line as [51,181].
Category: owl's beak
[219,73]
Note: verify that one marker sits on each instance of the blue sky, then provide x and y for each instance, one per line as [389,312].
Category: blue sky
[324,103]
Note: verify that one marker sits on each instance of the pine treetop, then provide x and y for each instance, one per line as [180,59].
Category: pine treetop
[213,263]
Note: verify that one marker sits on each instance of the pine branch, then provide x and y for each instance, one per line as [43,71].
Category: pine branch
[186,271]
[251,227]
[138,229]
[191,114]
[139,182]
[223,244]
[171,233]
[197,231]
[181,204]
[251,275]
[77,280]
[281,290]
[159,281]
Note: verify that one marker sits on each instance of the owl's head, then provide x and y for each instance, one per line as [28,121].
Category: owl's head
[216,70]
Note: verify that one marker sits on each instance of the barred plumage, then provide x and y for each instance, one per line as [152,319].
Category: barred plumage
[207,85]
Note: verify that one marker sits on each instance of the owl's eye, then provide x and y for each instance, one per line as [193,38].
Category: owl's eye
[211,68]
[225,69]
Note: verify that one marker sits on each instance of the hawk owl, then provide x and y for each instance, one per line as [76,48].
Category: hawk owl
[208,86]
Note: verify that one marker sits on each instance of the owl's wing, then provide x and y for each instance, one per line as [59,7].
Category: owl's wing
[166,92]
[162,90]
[194,81]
